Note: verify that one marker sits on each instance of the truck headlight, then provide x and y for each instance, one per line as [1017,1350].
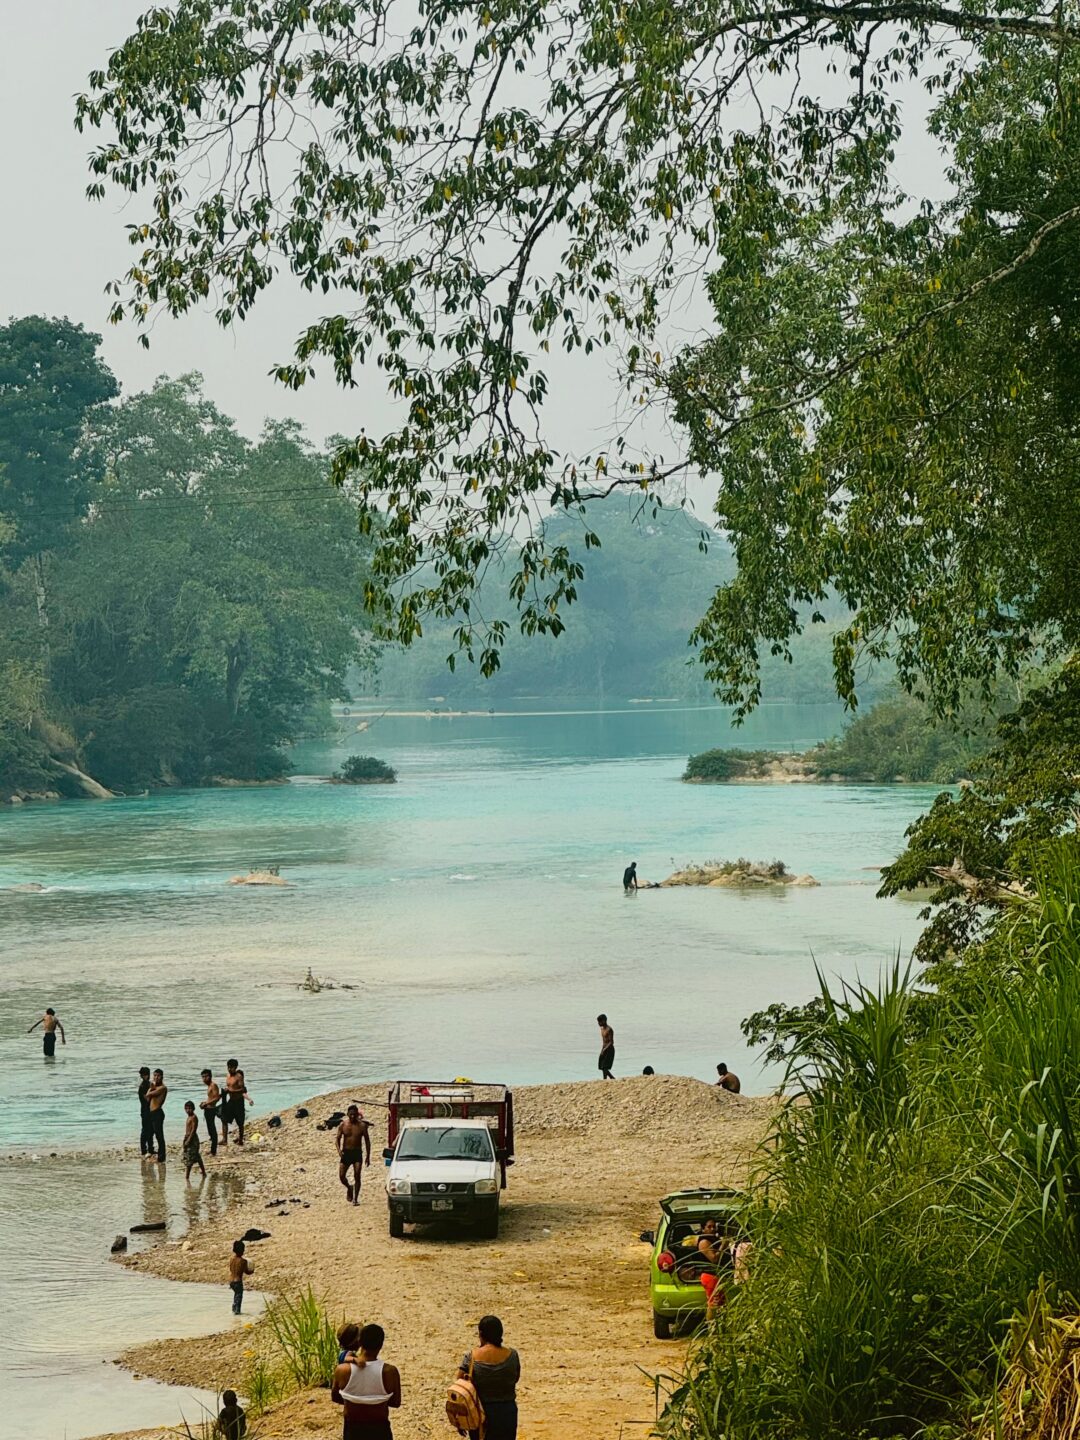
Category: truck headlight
[485,1187]
[399,1187]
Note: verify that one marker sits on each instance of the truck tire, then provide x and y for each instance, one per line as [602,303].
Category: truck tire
[661,1326]
[397,1226]
[489,1228]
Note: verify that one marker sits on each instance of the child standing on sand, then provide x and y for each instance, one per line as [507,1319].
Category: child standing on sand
[192,1157]
[238,1268]
[231,1422]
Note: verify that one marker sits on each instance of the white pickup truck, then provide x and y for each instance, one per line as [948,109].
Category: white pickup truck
[450,1144]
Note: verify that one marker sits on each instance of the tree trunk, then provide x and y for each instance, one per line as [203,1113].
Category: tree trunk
[235,666]
[41,597]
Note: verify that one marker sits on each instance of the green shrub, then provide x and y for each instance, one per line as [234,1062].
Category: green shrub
[728,764]
[264,1386]
[365,770]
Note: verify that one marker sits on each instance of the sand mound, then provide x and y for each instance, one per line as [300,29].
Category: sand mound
[663,1107]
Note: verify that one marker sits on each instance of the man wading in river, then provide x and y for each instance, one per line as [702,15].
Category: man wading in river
[50,1025]
[146,1143]
[354,1151]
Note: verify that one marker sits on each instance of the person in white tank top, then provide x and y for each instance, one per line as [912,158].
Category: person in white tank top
[368,1388]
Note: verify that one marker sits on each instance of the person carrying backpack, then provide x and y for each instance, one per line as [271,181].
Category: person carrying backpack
[491,1371]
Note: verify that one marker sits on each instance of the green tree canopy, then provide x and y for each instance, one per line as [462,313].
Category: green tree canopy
[52,379]
[471,187]
[217,590]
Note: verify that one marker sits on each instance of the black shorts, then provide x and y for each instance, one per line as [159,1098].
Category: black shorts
[48,1042]
[607,1058]
[352,1157]
[232,1109]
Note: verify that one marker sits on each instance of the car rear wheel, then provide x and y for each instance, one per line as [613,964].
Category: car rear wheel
[397,1226]
[661,1326]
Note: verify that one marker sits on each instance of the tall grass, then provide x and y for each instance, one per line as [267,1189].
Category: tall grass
[922,1187]
[305,1339]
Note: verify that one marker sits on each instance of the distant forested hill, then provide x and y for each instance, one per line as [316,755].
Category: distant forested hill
[627,634]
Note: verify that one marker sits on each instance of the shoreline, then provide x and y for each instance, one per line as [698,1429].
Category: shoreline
[568,1275]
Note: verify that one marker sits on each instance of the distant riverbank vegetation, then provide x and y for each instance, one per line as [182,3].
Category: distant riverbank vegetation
[177,602]
[898,740]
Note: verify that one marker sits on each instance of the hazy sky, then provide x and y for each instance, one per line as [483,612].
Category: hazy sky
[57,251]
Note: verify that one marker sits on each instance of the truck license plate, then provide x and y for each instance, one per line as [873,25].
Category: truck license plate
[442,1204]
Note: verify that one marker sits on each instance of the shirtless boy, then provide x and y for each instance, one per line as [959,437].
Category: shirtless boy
[209,1107]
[238,1268]
[354,1151]
[191,1141]
[49,1026]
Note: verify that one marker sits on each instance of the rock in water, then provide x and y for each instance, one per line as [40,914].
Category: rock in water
[258,877]
[145,1228]
[118,1245]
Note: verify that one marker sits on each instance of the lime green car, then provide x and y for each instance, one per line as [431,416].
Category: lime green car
[677,1265]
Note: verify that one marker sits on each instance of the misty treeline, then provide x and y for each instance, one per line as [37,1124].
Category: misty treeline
[648,573]
[177,602]
[174,598]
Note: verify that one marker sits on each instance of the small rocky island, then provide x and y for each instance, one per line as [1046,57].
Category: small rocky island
[260,875]
[364,770]
[738,874]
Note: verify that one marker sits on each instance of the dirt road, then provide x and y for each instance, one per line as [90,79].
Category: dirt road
[568,1275]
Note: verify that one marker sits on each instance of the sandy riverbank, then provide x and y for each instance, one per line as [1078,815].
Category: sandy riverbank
[568,1275]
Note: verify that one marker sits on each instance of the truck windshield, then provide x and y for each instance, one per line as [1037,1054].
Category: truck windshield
[453,1143]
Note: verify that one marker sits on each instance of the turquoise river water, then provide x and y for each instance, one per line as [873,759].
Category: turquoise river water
[475,907]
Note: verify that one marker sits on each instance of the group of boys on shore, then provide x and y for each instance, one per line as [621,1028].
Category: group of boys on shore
[222,1107]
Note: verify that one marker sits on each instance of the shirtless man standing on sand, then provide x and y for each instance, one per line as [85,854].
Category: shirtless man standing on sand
[607,1047]
[209,1107]
[232,1107]
[354,1151]
[50,1025]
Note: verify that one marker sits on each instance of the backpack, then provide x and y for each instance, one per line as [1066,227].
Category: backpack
[463,1408]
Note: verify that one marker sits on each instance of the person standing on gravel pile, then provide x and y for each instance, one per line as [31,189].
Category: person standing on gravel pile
[607,1047]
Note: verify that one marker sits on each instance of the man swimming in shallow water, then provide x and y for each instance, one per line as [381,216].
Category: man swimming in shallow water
[354,1151]
[50,1025]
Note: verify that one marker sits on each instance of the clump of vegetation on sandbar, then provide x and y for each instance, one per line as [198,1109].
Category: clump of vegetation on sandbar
[715,766]
[364,770]
[738,872]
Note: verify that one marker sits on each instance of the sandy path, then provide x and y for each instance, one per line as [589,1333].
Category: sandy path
[568,1275]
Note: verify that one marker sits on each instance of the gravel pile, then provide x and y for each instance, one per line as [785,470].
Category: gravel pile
[662,1107]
